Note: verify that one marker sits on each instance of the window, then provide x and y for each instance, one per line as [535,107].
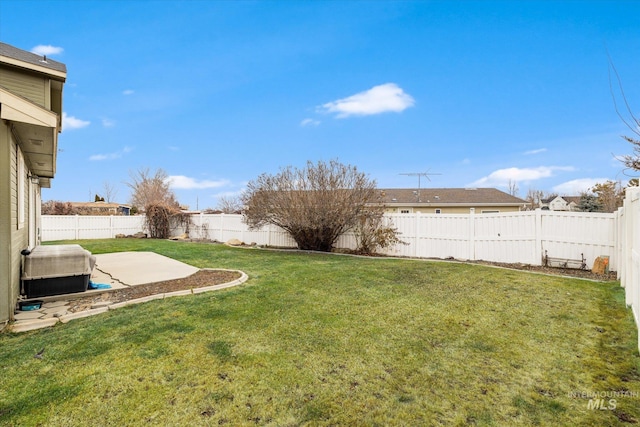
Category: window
[404,211]
[438,211]
[490,211]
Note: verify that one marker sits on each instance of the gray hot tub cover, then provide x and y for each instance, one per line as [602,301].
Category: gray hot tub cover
[57,261]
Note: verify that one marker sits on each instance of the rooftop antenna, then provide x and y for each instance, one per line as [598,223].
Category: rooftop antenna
[420,175]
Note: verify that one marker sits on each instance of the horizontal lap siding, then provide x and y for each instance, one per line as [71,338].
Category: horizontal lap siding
[7,168]
[29,86]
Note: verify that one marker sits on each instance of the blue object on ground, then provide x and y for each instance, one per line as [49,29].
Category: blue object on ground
[98,285]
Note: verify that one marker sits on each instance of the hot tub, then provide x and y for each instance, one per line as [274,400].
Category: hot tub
[56,270]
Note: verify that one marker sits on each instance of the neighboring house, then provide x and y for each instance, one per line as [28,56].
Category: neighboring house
[31,118]
[561,203]
[100,208]
[450,200]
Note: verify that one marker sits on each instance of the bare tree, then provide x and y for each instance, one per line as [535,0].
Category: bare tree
[315,205]
[610,195]
[109,191]
[153,194]
[513,188]
[54,207]
[229,204]
[631,161]
[534,198]
[147,189]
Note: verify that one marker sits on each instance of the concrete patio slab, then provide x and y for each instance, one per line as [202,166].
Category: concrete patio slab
[119,270]
[139,268]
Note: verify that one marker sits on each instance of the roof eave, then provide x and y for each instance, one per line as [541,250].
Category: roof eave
[60,75]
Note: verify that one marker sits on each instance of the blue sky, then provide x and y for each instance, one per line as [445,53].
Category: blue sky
[217,92]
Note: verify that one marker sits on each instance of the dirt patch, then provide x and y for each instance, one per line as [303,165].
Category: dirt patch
[197,280]
[556,271]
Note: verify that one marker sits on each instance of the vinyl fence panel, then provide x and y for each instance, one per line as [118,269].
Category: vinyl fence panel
[508,237]
[571,234]
[73,227]
[630,259]
[515,237]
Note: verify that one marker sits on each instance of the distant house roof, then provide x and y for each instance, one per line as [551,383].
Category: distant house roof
[98,205]
[450,196]
[572,199]
[568,199]
[19,57]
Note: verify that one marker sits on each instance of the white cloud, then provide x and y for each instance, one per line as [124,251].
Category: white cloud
[187,183]
[501,177]
[388,97]
[70,122]
[537,151]
[43,49]
[110,156]
[173,148]
[128,92]
[108,123]
[577,186]
[309,122]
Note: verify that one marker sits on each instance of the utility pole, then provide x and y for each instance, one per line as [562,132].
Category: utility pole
[420,175]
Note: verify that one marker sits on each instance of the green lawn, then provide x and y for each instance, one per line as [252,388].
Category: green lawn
[321,339]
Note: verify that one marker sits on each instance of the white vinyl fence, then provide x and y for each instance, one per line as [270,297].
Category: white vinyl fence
[629,251]
[517,237]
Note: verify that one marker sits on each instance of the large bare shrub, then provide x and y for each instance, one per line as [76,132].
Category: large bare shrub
[315,205]
[161,219]
[373,231]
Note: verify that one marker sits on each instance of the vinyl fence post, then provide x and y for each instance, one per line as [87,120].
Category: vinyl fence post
[417,231]
[221,227]
[242,230]
[472,234]
[537,256]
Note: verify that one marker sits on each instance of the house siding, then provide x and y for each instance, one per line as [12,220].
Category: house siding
[5,220]
[13,237]
[451,210]
[31,86]
[20,229]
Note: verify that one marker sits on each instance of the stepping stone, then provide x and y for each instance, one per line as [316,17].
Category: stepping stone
[28,315]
